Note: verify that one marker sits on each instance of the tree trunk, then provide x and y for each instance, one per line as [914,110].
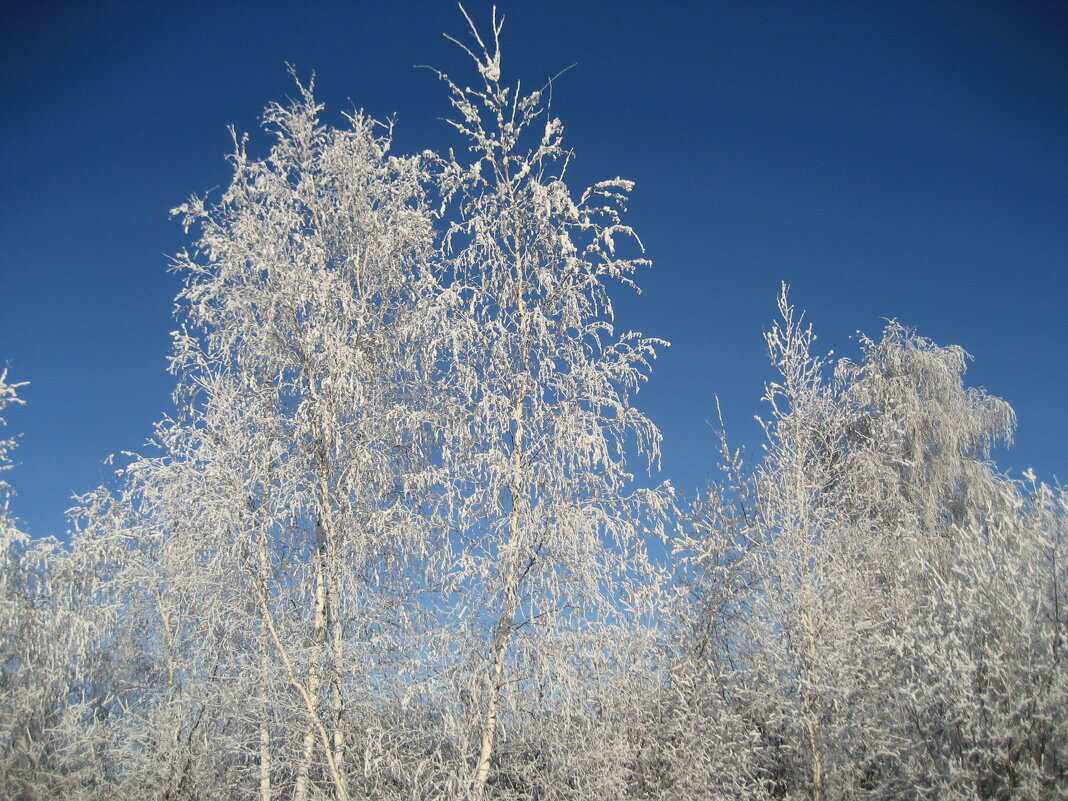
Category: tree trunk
[314,666]
[496,682]
[265,672]
[265,736]
[337,662]
[809,702]
[310,704]
[503,631]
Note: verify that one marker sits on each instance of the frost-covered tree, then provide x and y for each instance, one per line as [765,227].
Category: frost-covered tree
[276,522]
[982,700]
[800,558]
[833,579]
[549,532]
[17,620]
[53,677]
[918,446]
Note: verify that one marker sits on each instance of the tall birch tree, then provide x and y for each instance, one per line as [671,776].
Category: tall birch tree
[549,531]
[287,483]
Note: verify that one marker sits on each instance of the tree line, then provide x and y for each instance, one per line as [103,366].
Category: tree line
[390,545]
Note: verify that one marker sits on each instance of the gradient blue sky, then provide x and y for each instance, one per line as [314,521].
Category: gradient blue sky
[891,159]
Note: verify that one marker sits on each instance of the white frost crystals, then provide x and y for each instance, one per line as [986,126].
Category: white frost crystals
[391,544]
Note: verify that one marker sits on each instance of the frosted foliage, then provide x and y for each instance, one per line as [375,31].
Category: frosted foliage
[924,437]
[878,613]
[8,396]
[48,667]
[12,595]
[987,689]
[398,540]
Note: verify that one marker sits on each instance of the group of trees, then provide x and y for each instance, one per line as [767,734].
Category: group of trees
[874,605]
[389,545]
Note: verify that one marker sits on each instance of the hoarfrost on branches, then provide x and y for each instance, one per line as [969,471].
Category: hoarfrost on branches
[548,526]
[391,543]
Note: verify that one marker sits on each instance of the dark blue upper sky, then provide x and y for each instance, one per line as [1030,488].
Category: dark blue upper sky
[891,159]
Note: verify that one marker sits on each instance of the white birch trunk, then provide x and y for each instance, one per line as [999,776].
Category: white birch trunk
[265,665]
[503,631]
[496,683]
[314,668]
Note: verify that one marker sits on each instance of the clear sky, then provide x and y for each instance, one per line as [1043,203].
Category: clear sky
[892,159]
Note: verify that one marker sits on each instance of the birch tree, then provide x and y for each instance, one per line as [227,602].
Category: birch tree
[798,565]
[549,531]
[919,446]
[53,677]
[283,495]
[916,485]
[984,693]
[16,618]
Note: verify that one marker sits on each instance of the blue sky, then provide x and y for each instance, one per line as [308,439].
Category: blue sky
[892,159]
